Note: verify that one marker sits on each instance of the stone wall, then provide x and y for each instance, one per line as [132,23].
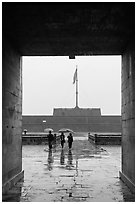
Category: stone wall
[77,123]
[128,113]
[76,111]
[11,113]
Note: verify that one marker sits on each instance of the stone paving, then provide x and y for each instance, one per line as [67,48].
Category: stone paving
[86,173]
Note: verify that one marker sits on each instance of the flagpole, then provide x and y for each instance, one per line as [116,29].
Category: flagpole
[77,88]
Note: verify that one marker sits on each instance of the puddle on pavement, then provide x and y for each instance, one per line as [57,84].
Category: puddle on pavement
[81,138]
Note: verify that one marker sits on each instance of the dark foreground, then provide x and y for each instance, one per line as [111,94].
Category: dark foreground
[86,173]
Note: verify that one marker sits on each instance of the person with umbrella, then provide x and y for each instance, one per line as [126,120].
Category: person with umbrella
[70,140]
[25,131]
[50,139]
[62,138]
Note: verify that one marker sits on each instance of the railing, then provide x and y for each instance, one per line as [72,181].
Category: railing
[105,138]
[36,138]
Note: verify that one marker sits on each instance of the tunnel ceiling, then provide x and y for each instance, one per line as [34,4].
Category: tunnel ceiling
[68,28]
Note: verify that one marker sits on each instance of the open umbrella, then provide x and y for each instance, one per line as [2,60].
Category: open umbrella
[66,130]
[48,129]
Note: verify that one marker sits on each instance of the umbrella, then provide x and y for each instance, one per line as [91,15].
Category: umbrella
[66,130]
[48,129]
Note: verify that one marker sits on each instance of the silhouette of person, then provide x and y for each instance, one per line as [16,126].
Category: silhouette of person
[50,139]
[62,157]
[50,160]
[25,131]
[70,140]
[62,138]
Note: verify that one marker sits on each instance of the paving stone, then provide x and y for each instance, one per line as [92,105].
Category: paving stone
[89,175]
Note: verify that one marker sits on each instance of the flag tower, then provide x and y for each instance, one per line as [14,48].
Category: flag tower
[75,79]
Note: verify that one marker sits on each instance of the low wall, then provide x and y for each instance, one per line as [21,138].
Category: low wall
[33,138]
[105,138]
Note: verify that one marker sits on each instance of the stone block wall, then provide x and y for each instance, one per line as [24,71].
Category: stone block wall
[128,113]
[77,123]
[77,112]
[11,112]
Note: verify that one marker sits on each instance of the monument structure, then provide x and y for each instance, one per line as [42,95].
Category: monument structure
[76,111]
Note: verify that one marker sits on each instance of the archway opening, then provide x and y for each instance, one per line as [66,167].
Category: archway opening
[49,80]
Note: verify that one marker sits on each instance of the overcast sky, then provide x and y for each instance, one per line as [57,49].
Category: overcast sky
[47,84]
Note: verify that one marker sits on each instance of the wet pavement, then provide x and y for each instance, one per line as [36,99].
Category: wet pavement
[86,173]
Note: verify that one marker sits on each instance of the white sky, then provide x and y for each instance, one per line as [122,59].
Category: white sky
[47,84]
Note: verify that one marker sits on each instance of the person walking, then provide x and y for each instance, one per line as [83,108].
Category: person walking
[50,139]
[62,138]
[70,140]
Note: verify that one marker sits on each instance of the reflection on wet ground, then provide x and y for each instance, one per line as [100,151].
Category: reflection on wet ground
[50,160]
[84,173]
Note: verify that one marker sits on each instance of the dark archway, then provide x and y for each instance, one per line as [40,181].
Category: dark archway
[65,29]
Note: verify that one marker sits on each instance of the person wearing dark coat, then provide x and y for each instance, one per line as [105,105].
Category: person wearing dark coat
[70,140]
[50,139]
[62,138]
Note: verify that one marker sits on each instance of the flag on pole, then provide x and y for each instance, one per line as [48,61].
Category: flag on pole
[75,76]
